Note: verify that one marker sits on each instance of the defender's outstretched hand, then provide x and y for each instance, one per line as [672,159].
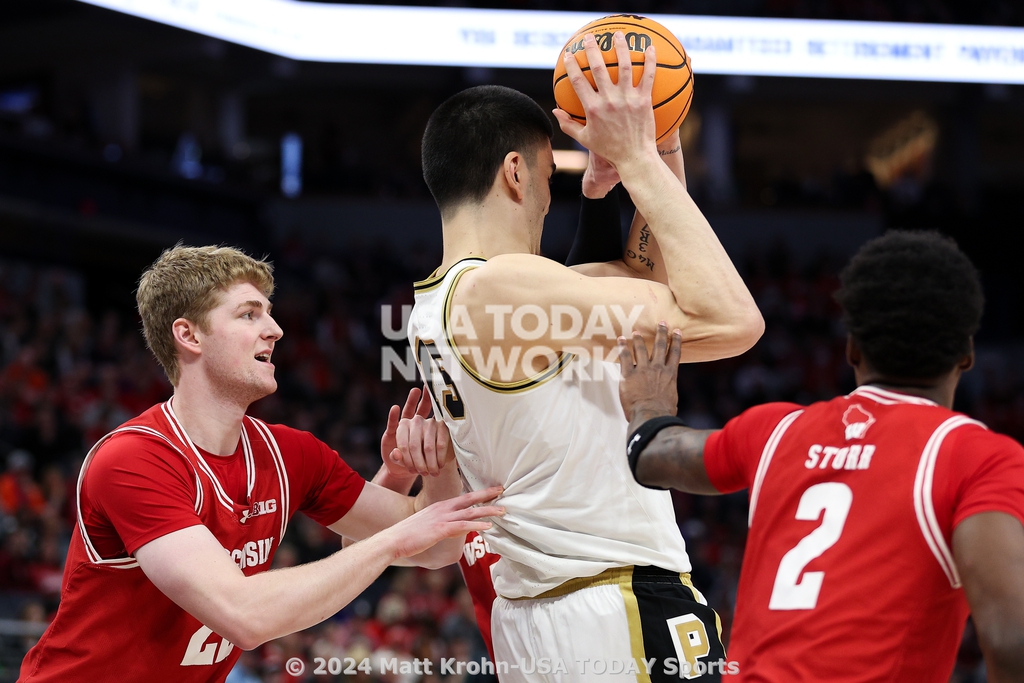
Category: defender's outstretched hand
[620,117]
[417,444]
[648,384]
[450,518]
[399,464]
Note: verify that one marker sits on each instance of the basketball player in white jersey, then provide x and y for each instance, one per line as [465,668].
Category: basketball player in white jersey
[592,565]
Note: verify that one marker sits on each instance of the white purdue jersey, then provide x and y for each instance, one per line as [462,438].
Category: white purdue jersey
[557,443]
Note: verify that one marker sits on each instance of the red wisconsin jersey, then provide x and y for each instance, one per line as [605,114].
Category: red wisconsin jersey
[113,623]
[475,563]
[848,573]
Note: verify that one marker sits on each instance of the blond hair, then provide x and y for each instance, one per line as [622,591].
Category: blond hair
[184,283]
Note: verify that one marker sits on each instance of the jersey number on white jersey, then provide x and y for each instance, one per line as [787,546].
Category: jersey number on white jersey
[428,357]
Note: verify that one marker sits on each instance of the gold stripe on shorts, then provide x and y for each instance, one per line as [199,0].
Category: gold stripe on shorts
[636,632]
[623,578]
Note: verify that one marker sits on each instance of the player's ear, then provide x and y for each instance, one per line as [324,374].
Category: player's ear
[853,355]
[513,168]
[967,362]
[186,336]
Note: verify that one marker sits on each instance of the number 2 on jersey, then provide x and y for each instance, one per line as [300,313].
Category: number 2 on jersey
[428,357]
[790,592]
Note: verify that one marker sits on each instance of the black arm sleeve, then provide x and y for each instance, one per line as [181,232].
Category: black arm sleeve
[599,235]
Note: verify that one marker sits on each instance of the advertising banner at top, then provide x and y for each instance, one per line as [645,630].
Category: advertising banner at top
[532,39]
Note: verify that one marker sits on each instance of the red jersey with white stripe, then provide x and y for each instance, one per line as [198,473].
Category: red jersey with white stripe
[848,573]
[475,563]
[147,479]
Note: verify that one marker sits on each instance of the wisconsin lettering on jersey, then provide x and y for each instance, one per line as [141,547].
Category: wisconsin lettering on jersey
[855,457]
[475,549]
[253,553]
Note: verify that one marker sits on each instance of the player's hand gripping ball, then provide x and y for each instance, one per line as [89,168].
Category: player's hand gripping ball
[673,82]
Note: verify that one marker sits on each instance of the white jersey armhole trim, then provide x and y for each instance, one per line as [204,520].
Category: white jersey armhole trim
[282,472]
[90,549]
[924,503]
[179,431]
[766,458]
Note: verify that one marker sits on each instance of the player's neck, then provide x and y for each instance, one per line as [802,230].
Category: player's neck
[211,420]
[486,230]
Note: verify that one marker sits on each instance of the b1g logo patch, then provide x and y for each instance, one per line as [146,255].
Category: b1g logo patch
[263,507]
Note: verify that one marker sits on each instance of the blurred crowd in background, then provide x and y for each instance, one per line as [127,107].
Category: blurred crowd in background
[119,136]
[70,373]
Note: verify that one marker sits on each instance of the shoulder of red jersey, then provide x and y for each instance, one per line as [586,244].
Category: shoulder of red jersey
[286,435]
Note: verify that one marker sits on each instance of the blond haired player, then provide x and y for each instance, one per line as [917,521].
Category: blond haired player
[182,508]
[593,568]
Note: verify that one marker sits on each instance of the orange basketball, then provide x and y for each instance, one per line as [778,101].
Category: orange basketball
[673,83]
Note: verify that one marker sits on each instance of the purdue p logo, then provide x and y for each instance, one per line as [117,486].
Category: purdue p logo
[690,638]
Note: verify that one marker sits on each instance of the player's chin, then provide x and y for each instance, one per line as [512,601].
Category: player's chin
[263,386]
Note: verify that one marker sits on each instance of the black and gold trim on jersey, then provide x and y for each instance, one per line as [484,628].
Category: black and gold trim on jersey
[434,280]
[501,387]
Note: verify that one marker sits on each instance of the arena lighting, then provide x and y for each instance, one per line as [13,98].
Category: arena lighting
[570,160]
[532,39]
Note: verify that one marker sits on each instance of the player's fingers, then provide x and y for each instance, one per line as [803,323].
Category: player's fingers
[660,344]
[580,84]
[424,407]
[640,351]
[598,69]
[646,85]
[625,357]
[675,349]
[443,442]
[624,59]
[416,444]
[402,436]
[410,402]
[393,417]
[567,124]
[461,528]
[476,497]
[430,447]
[398,458]
[479,511]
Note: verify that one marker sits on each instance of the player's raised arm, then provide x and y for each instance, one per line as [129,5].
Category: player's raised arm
[598,250]
[702,281]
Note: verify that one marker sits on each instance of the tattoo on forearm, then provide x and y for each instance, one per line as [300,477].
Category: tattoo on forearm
[643,257]
[667,152]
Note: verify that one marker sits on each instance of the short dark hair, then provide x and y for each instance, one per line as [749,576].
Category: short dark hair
[469,135]
[911,301]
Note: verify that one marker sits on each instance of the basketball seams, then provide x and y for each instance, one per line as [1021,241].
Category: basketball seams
[584,69]
[676,93]
[662,102]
